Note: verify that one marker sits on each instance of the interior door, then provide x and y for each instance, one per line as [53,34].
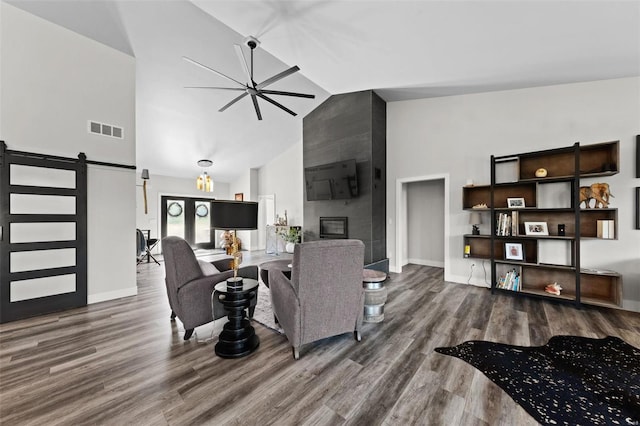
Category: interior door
[43,233]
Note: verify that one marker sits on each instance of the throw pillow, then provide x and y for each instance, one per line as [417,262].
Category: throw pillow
[208,268]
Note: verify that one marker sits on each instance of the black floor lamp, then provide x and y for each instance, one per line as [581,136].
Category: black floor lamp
[234,216]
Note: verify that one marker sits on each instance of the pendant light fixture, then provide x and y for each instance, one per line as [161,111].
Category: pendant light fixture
[204,182]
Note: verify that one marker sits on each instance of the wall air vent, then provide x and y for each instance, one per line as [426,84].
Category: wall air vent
[105,129]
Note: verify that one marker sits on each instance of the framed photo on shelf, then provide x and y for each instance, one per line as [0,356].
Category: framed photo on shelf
[239,196]
[514,251]
[536,228]
[515,203]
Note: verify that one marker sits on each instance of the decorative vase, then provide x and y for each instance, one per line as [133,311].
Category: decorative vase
[289,247]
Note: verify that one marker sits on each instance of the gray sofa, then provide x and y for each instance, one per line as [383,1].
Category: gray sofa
[324,296]
[189,289]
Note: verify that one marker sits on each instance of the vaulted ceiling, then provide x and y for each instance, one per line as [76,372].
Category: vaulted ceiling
[401,49]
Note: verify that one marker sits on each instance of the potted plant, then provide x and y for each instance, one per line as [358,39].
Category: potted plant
[291,236]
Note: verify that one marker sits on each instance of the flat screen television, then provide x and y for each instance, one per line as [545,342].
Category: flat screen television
[333,181]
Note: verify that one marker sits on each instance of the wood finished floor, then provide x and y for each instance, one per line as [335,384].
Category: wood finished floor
[124,362]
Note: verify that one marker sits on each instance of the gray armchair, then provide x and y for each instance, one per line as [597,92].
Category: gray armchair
[189,289]
[324,296]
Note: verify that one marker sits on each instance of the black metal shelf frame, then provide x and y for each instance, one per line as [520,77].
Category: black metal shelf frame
[574,180]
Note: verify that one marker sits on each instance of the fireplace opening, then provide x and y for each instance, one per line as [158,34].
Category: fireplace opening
[333,227]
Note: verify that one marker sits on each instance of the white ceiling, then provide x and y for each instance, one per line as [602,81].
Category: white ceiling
[402,49]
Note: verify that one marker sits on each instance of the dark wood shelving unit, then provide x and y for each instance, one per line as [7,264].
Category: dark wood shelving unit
[566,165]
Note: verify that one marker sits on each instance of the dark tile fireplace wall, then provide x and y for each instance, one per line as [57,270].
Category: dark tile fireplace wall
[351,126]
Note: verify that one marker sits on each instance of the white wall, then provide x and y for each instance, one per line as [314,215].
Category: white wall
[425,223]
[110,226]
[284,177]
[241,185]
[457,135]
[52,82]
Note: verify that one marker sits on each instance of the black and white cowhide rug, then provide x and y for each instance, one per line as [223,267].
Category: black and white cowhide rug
[569,381]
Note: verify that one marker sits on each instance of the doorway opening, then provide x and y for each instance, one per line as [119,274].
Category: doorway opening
[427,221]
[266,216]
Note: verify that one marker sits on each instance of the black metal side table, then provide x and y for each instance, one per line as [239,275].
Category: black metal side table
[238,337]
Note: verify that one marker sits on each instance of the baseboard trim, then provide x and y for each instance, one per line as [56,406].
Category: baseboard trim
[110,295]
[631,305]
[425,262]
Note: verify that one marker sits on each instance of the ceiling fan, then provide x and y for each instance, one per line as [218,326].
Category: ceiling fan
[251,88]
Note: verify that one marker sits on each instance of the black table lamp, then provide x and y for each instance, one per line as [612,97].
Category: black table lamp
[234,216]
[475,219]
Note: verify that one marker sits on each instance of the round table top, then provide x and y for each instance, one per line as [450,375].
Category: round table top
[276,265]
[247,285]
[373,276]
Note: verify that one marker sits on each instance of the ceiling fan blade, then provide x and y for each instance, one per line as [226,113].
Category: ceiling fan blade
[213,71]
[277,77]
[217,88]
[255,105]
[277,104]
[277,92]
[243,61]
[233,102]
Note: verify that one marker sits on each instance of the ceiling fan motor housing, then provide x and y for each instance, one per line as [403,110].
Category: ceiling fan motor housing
[251,42]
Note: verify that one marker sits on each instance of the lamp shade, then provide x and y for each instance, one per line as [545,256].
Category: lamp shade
[238,215]
[145,174]
[475,218]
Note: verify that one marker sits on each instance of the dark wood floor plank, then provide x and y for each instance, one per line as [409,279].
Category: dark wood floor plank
[124,361]
[308,402]
[349,395]
[414,403]
[484,400]
[324,416]
[458,376]
[381,399]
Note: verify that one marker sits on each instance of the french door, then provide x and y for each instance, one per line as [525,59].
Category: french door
[188,218]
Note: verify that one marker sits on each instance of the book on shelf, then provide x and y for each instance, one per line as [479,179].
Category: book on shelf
[606,229]
[510,281]
[503,225]
[514,223]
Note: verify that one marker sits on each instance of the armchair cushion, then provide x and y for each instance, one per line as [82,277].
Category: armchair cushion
[208,268]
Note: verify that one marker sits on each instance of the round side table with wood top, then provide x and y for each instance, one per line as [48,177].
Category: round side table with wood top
[283,265]
[375,295]
[238,337]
